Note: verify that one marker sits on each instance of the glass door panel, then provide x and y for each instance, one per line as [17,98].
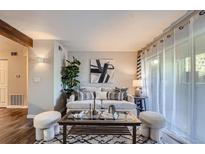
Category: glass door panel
[153,83]
[169,79]
[199,103]
[160,54]
[183,81]
[143,75]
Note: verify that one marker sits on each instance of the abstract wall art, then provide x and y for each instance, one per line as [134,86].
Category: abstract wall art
[102,70]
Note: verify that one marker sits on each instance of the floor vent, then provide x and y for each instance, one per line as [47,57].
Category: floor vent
[16,100]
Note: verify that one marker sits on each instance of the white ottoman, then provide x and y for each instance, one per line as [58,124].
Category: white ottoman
[152,122]
[46,125]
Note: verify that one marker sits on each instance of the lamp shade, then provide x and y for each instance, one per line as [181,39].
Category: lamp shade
[137,83]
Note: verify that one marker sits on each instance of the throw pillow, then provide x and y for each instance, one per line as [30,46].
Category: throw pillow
[92,89]
[114,95]
[124,92]
[72,98]
[85,95]
[101,95]
[107,89]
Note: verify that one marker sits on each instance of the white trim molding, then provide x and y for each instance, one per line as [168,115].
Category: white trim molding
[17,106]
[30,116]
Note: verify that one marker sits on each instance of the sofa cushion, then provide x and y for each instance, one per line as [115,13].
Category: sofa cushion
[85,104]
[92,89]
[123,91]
[107,89]
[114,95]
[118,104]
[101,95]
[85,95]
[71,98]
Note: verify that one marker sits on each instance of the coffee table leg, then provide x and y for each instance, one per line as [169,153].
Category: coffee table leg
[64,134]
[134,135]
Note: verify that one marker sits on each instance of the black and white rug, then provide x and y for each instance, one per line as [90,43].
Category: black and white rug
[80,138]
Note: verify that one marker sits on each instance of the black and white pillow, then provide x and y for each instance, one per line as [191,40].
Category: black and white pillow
[123,91]
[114,95]
[85,95]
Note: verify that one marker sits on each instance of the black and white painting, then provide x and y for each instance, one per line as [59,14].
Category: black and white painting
[102,70]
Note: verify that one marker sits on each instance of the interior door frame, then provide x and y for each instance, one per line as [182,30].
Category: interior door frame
[7,93]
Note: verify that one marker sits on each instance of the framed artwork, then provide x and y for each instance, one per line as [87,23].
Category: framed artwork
[102,70]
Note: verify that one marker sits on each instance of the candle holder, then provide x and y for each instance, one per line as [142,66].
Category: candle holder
[94,112]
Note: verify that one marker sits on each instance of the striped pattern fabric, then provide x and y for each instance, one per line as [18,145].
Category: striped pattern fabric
[139,59]
[85,95]
[124,92]
[114,95]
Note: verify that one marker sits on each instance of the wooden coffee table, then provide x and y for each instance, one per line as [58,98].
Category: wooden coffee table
[128,119]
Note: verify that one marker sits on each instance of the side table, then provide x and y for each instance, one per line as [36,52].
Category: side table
[140,102]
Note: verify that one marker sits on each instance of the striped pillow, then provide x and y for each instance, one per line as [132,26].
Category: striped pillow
[123,91]
[85,95]
[115,95]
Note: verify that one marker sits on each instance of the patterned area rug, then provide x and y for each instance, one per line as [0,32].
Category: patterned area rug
[77,137]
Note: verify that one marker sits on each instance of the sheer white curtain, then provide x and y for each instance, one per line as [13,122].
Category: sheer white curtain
[160,53]
[183,80]
[174,79]
[199,83]
[152,76]
[143,73]
[169,79]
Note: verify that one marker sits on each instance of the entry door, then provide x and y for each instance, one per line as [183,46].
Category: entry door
[3,83]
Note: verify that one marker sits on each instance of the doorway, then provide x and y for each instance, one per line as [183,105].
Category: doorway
[3,83]
[13,74]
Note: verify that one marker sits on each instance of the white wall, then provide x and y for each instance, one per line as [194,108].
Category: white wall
[17,65]
[125,64]
[44,94]
[40,93]
[59,59]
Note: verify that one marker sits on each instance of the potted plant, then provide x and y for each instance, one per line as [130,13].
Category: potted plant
[69,76]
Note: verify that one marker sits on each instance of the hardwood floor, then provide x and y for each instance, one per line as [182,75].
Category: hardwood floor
[15,128]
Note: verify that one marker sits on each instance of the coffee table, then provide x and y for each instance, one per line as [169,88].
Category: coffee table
[125,119]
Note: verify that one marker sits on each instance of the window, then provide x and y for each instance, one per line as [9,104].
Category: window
[175,79]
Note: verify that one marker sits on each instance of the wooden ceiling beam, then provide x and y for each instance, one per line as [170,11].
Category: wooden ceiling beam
[12,33]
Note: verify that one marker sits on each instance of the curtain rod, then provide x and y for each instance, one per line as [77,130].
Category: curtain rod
[173,25]
[176,23]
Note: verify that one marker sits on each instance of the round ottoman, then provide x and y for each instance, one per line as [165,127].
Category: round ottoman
[152,122]
[46,125]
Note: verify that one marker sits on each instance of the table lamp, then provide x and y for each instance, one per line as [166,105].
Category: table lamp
[137,84]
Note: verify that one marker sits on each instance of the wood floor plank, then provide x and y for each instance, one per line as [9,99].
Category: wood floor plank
[15,128]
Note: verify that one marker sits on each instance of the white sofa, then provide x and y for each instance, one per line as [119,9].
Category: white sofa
[120,105]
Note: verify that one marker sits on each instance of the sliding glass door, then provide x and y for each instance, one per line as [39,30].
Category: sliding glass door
[152,69]
[175,78]
[199,87]
[160,53]
[169,79]
[183,81]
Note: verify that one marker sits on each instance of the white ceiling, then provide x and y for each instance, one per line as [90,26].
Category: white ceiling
[93,30]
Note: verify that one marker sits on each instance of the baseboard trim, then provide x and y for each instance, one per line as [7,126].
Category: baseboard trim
[13,106]
[30,116]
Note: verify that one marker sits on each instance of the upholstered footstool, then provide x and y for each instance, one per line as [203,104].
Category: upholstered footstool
[152,122]
[46,125]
